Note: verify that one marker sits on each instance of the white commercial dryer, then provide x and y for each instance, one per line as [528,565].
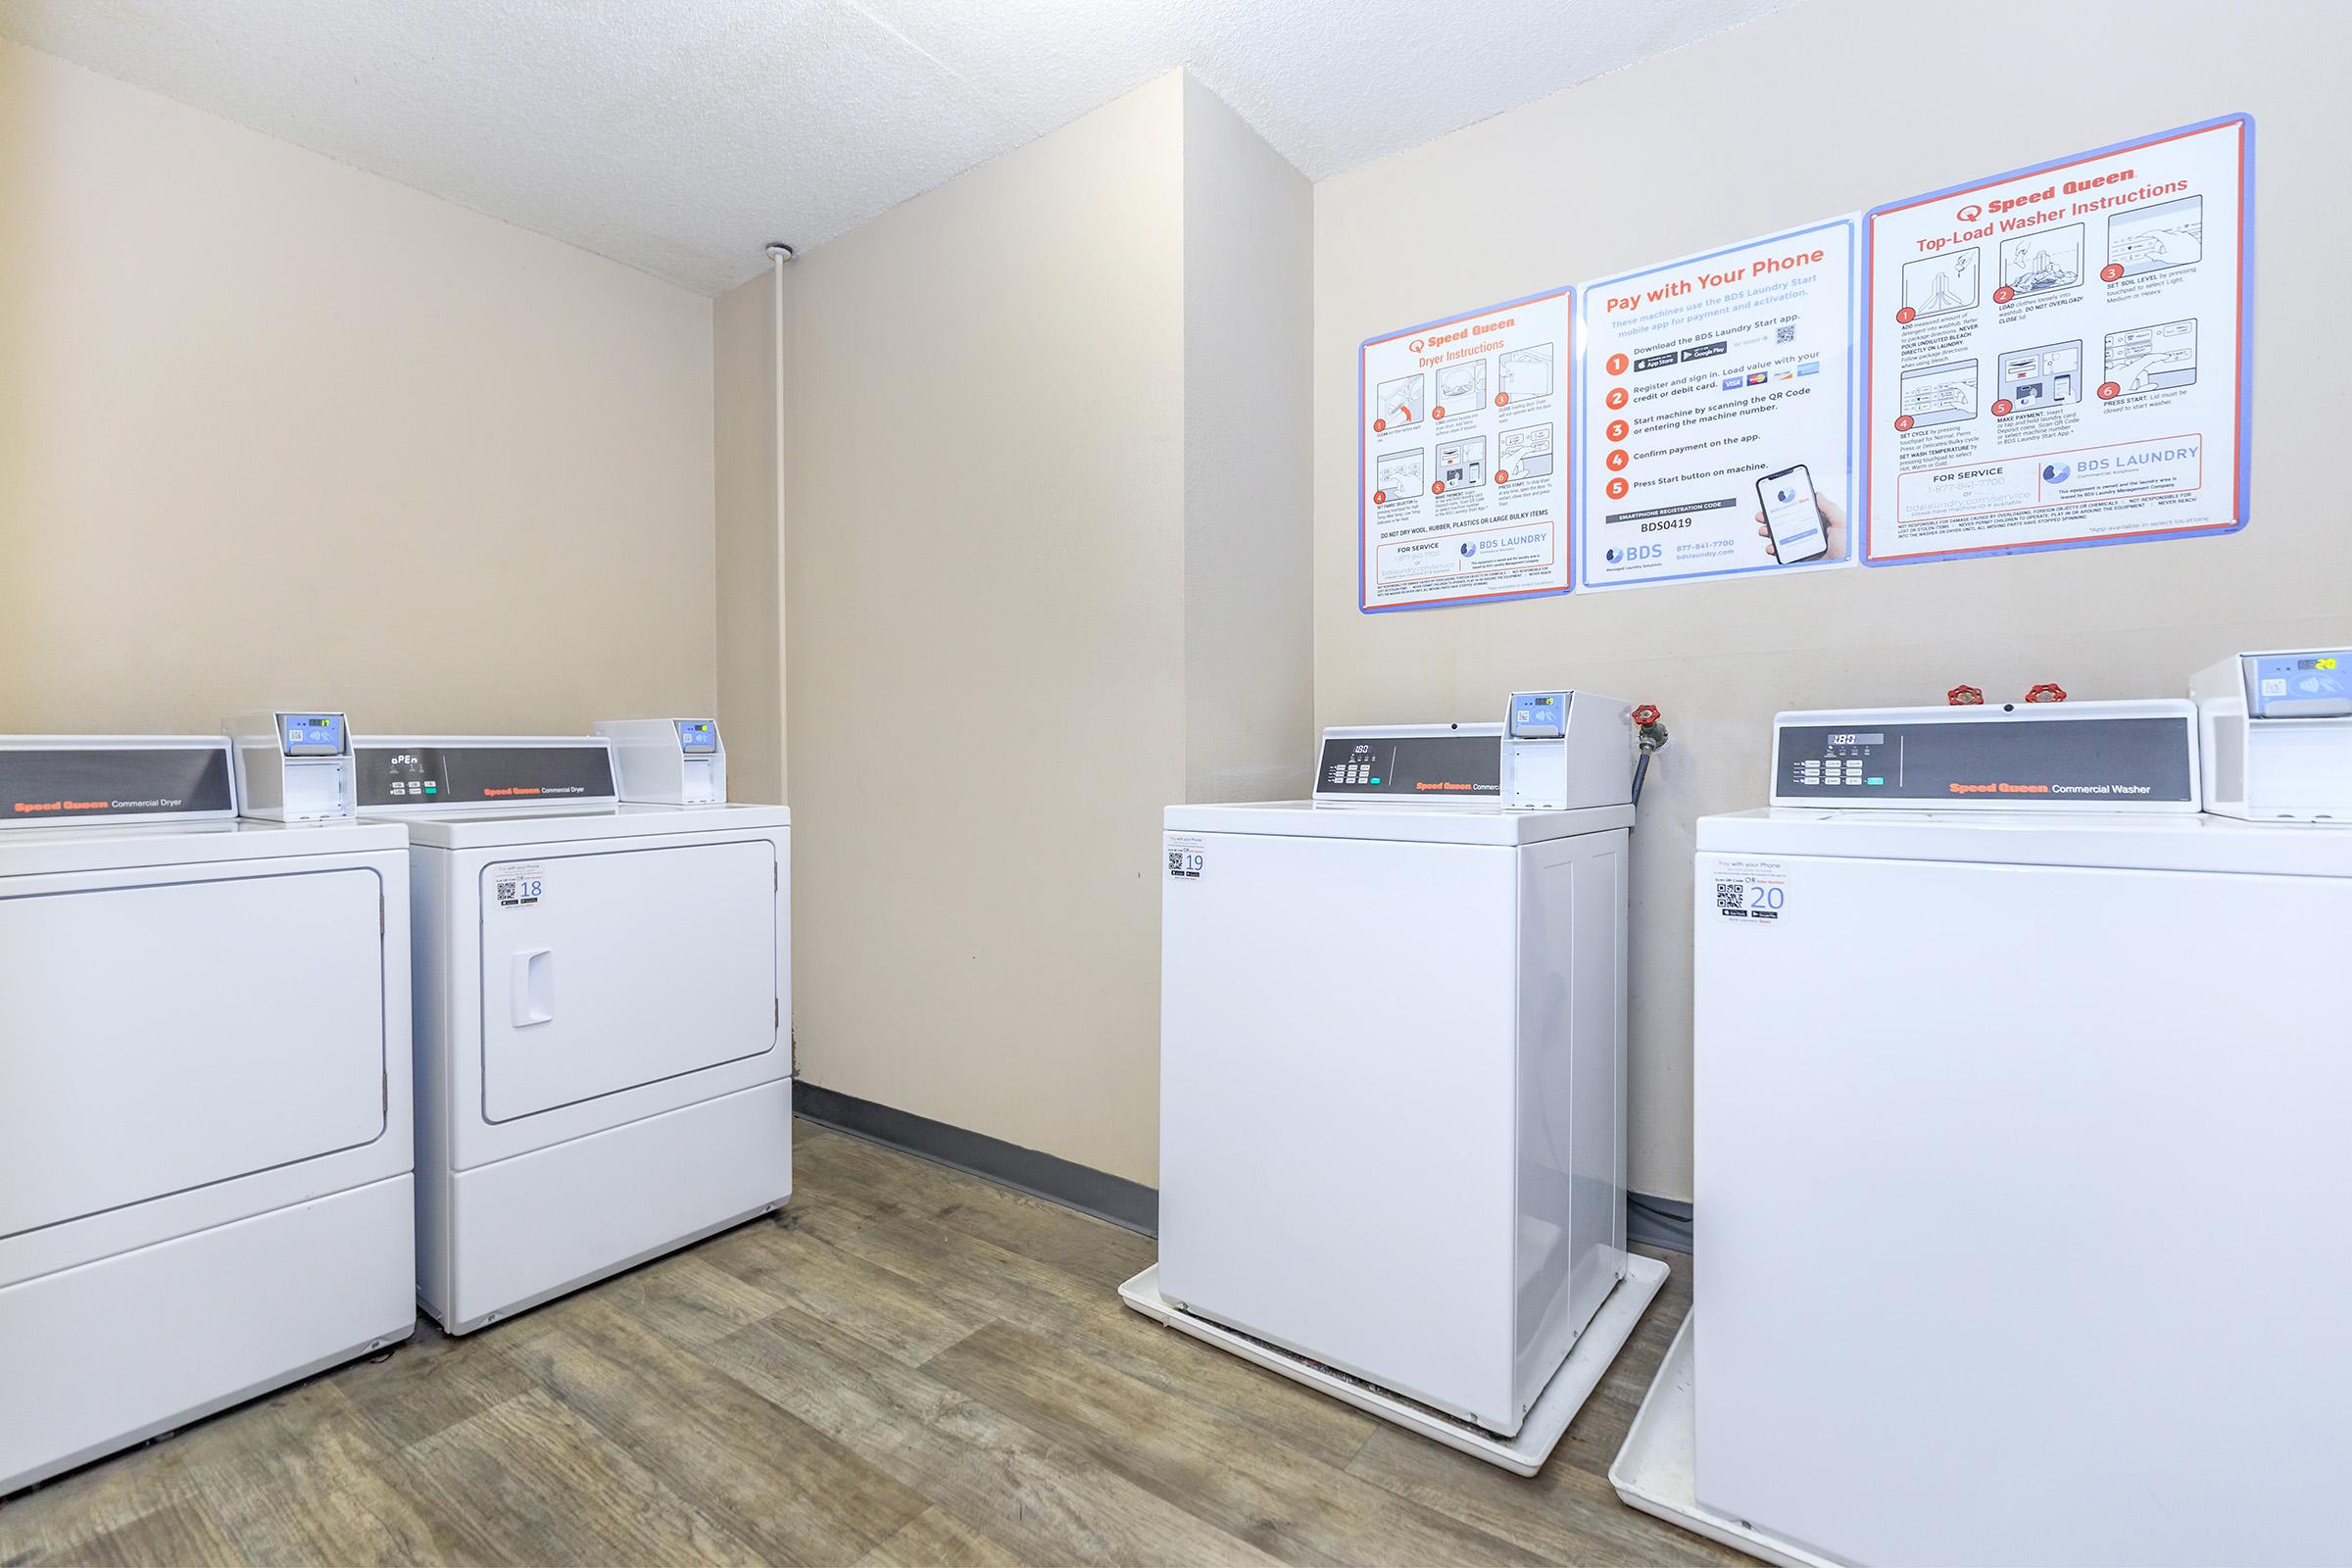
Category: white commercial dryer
[2020,1156]
[1392,1074]
[204,1095]
[604,1004]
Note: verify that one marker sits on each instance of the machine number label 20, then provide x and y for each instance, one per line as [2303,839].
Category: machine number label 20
[1751,891]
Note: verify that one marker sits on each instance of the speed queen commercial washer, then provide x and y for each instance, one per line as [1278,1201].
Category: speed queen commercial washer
[1392,1075]
[2019,1094]
[603,1017]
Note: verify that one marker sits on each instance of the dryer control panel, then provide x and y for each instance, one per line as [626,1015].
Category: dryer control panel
[507,771]
[76,779]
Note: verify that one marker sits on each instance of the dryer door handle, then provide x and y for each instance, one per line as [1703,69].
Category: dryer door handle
[531,987]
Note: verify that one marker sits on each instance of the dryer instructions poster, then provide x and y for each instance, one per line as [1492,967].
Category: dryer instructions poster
[2057,357]
[1716,413]
[1462,424]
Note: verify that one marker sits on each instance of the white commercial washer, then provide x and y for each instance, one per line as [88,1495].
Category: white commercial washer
[204,1094]
[604,1004]
[2020,1157]
[1392,1075]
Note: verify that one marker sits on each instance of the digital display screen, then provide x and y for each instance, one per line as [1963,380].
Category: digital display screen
[698,736]
[311,734]
[1539,716]
[2308,685]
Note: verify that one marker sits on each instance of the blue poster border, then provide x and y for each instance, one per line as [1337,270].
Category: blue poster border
[2243,498]
[1565,292]
[1853,457]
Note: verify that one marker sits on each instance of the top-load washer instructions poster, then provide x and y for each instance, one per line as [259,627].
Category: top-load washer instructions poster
[1717,413]
[1463,428]
[2058,357]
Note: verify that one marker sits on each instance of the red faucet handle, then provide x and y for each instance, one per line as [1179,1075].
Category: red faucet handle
[1964,696]
[2048,691]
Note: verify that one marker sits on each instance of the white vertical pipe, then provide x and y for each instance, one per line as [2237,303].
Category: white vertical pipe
[778,253]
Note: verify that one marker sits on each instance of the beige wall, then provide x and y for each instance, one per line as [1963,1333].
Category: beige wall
[1248,486]
[1042,454]
[1828,107]
[747,429]
[274,430]
[985,640]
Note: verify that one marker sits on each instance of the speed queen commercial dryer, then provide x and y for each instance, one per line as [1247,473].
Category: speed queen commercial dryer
[204,1095]
[1392,1075]
[603,1003]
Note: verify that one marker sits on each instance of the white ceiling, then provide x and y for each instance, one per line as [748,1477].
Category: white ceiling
[681,135]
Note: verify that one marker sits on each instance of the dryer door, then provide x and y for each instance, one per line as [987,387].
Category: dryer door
[608,969]
[162,1036]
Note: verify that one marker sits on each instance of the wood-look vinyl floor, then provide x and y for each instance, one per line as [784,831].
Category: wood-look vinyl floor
[908,1366]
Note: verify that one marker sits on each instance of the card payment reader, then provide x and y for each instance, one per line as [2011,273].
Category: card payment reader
[294,766]
[1566,750]
[669,761]
[2277,733]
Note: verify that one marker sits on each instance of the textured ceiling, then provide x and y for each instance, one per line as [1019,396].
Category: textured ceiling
[681,135]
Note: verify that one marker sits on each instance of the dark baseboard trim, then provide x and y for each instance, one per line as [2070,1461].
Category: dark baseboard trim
[1655,1221]
[1659,1221]
[1125,1204]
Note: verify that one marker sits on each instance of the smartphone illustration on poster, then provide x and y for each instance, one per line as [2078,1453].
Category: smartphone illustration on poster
[1791,516]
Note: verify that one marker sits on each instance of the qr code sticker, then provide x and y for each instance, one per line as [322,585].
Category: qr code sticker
[518,887]
[1731,897]
[1787,333]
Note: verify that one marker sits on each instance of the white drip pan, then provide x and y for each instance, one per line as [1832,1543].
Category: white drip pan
[1656,1470]
[1546,1420]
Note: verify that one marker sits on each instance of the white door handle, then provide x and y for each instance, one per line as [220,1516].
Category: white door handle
[531,986]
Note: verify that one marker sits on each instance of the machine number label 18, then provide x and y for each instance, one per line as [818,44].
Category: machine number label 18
[518,886]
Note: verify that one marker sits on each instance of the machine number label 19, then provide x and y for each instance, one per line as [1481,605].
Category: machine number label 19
[1187,859]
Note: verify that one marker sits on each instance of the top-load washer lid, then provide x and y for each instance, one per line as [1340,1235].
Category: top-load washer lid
[1417,823]
[2115,839]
